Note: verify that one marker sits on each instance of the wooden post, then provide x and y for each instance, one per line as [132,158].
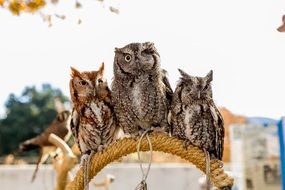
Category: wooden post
[63,163]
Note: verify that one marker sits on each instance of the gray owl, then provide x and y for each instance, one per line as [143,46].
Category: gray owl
[141,90]
[195,118]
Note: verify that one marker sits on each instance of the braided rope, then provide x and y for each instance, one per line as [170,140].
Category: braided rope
[160,142]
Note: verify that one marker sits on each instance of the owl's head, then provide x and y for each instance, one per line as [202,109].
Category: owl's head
[136,58]
[195,88]
[85,86]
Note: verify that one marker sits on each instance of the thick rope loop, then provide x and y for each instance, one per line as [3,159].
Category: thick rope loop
[160,142]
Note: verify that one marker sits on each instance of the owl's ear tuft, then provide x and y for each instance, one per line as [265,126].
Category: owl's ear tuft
[117,50]
[209,76]
[74,72]
[184,74]
[149,44]
[101,69]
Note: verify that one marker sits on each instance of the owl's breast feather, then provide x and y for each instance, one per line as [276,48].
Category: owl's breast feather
[137,98]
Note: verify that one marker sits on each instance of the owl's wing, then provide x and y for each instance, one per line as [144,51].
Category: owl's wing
[176,105]
[74,125]
[220,131]
[175,109]
[169,92]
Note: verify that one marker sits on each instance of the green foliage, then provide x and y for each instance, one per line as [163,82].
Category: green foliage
[27,115]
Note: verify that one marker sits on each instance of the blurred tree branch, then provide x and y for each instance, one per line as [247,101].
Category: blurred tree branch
[28,115]
[16,7]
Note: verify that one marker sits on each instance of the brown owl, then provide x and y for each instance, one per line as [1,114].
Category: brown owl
[92,120]
[195,118]
[57,127]
[141,91]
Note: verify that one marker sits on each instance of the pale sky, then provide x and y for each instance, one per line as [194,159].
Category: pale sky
[237,39]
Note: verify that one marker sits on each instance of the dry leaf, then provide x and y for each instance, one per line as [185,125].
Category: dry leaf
[46,18]
[79,21]
[49,21]
[1,2]
[54,1]
[78,5]
[114,10]
[60,16]
[282,27]
[16,6]
[34,5]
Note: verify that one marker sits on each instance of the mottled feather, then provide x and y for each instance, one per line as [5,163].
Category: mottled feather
[93,122]
[141,91]
[194,115]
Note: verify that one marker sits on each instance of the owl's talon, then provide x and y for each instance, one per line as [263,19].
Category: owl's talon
[84,158]
[140,133]
[158,130]
[186,143]
[101,147]
[221,163]
[226,188]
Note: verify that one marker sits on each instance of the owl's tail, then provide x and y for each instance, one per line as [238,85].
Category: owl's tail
[208,169]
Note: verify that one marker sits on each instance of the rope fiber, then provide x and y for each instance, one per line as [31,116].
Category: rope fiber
[160,142]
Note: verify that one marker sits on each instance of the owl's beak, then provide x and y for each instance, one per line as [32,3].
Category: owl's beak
[94,92]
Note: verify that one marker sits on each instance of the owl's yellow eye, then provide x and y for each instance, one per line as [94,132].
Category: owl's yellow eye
[128,58]
[83,82]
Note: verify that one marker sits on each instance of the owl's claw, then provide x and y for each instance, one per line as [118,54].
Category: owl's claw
[221,163]
[158,130]
[84,158]
[186,143]
[116,140]
[140,133]
[101,147]
[226,188]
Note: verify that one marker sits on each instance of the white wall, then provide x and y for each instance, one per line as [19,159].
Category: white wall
[162,176]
